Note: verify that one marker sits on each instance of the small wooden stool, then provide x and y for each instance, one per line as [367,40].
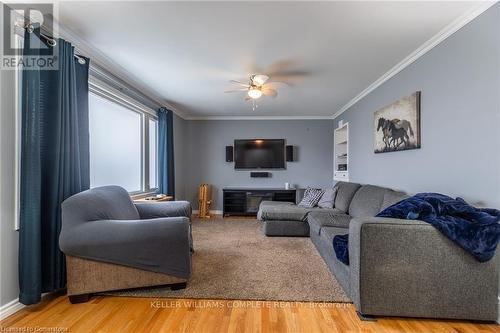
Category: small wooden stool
[204,200]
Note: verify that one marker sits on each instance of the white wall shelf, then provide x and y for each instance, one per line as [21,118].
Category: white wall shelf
[341,153]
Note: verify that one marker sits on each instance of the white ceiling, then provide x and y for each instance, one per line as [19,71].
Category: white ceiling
[185,52]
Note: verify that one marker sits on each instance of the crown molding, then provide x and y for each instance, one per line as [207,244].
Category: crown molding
[104,66]
[259,118]
[437,39]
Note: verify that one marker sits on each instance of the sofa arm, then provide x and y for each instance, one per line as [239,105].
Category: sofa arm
[158,245]
[164,209]
[408,268]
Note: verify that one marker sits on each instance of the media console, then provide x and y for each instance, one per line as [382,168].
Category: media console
[246,201]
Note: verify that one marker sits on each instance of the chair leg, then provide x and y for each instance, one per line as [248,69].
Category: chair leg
[75,299]
[178,286]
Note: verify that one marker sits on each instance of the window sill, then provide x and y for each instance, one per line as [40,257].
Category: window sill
[143,195]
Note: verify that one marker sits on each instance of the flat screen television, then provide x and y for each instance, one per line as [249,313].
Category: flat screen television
[259,154]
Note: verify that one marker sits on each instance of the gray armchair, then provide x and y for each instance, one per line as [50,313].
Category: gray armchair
[111,243]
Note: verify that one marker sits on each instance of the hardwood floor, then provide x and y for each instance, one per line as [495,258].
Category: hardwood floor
[123,314]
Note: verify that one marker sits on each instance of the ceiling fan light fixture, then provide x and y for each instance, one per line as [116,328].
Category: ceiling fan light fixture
[260,79]
[254,93]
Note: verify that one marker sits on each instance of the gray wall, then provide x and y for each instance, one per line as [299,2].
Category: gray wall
[9,289]
[460,120]
[205,161]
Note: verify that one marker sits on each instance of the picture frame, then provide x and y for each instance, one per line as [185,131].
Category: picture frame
[397,125]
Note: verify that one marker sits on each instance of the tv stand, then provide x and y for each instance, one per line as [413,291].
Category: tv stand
[245,201]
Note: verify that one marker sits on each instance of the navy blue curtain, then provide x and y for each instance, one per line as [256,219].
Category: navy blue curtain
[54,162]
[166,178]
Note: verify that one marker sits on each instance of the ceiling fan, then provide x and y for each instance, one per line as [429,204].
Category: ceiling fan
[255,88]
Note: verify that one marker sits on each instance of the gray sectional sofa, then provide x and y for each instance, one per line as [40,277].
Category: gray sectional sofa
[396,267]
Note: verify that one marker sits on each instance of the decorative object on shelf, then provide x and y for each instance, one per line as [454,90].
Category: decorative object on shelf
[287,186]
[342,167]
[397,126]
[204,200]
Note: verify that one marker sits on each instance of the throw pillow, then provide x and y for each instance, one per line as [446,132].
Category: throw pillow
[328,198]
[311,197]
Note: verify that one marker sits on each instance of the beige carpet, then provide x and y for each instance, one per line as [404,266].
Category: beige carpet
[234,260]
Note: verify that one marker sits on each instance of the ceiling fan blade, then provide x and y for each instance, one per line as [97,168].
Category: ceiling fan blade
[236,90]
[274,83]
[269,92]
[247,99]
[290,78]
[259,79]
[240,83]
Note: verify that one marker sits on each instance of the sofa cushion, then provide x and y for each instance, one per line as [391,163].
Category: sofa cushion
[311,197]
[276,203]
[286,228]
[328,198]
[333,218]
[103,203]
[345,192]
[324,245]
[284,211]
[299,194]
[391,197]
[329,232]
[263,207]
[367,201]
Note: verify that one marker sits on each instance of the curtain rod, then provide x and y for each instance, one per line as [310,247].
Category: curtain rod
[50,40]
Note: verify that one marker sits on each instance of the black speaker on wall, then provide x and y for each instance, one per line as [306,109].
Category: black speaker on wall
[260,174]
[289,154]
[229,154]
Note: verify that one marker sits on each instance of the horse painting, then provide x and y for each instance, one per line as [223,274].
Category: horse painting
[398,125]
[395,132]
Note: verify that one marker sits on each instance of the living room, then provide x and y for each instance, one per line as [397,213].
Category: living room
[270,166]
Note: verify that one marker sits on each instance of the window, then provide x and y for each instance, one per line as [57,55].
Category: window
[122,145]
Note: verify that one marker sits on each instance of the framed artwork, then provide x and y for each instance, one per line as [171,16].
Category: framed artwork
[397,126]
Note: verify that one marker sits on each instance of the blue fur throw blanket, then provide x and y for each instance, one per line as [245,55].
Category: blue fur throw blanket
[475,230]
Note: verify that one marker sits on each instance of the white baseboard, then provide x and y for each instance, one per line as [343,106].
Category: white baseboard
[10,308]
[213,212]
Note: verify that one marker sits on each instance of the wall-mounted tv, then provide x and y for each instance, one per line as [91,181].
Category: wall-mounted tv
[259,154]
